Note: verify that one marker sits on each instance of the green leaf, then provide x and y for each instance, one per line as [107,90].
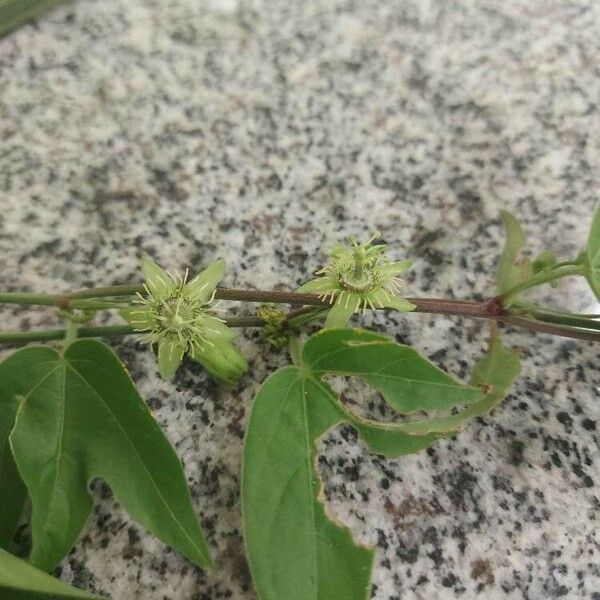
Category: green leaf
[294,550]
[14,13]
[407,381]
[389,439]
[12,495]
[495,372]
[510,271]
[12,488]
[81,417]
[20,581]
[593,254]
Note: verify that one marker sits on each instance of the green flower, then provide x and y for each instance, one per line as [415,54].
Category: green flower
[176,315]
[359,276]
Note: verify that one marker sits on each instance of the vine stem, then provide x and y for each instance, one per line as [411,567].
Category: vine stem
[69,300]
[492,309]
[46,335]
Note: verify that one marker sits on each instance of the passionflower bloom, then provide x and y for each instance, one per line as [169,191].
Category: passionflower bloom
[359,276]
[175,314]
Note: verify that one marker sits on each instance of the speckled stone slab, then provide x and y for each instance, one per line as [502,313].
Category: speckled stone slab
[266,131]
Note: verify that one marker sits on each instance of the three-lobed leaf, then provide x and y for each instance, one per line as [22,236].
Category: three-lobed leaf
[21,581]
[593,254]
[294,550]
[81,417]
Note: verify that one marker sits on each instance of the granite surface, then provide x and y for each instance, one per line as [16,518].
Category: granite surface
[264,131]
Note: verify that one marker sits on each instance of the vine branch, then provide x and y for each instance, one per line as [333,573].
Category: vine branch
[493,309]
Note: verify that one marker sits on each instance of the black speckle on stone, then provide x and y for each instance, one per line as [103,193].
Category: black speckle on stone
[566,420]
[449,580]
[430,536]
[437,557]
[381,540]
[274,182]
[338,212]
[154,403]
[588,424]
[516,452]
[469,201]
[408,554]
[352,472]
[564,351]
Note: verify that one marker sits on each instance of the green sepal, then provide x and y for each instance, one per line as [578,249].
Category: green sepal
[157,280]
[202,286]
[223,360]
[315,286]
[398,267]
[399,303]
[170,355]
[139,317]
[339,314]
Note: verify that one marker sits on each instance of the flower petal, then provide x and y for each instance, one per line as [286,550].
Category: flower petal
[317,286]
[224,361]
[158,281]
[399,303]
[201,288]
[339,314]
[170,355]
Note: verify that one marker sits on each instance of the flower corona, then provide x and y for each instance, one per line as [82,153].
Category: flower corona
[359,276]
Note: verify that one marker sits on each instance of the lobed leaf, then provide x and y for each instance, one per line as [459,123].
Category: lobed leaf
[20,581]
[294,550]
[407,381]
[593,254]
[81,417]
[495,371]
